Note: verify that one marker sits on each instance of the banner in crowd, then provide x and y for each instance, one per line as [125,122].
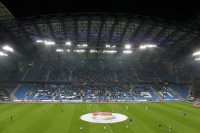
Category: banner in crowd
[100,101]
[160,99]
[113,101]
[17,100]
[121,100]
[176,99]
[47,101]
[72,101]
[143,100]
[197,104]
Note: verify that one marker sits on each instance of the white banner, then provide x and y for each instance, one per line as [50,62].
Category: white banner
[71,100]
[17,100]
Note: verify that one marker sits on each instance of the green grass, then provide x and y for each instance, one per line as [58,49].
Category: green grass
[29,118]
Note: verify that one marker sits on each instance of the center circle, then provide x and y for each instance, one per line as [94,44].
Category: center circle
[103,117]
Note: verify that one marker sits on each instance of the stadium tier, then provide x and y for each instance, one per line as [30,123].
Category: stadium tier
[94,71]
[112,76]
[104,92]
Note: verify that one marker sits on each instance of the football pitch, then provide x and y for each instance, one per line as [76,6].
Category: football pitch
[30,118]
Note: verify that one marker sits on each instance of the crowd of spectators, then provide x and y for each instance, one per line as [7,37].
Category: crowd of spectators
[95,70]
[13,76]
[37,73]
[42,92]
[137,89]
[118,91]
[69,92]
[98,70]
[59,74]
[94,92]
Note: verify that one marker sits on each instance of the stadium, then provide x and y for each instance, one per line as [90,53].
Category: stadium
[98,72]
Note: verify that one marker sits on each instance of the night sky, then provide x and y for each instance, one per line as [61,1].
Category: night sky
[177,10]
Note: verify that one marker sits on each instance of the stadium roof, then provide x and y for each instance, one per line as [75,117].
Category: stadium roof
[97,29]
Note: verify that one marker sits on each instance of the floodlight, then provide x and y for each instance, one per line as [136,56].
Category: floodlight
[107,46]
[85,45]
[39,41]
[127,51]
[59,50]
[142,46]
[150,46]
[8,48]
[49,43]
[113,46]
[68,43]
[79,51]
[109,51]
[93,51]
[68,50]
[3,54]
[127,46]
[196,53]
[197,59]
[147,46]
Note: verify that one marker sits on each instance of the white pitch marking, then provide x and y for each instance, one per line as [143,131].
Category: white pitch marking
[107,124]
[12,114]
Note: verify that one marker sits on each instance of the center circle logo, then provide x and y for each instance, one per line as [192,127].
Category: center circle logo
[103,117]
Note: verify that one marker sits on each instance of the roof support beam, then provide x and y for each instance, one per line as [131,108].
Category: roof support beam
[181,39]
[64,28]
[8,35]
[137,31]
[89,27]
[25,32]
[51,29]
[113,28]
[76,35]
[160,34]
[2,38]
[170,36]
[184,40]
[103,19]
[148,33]
[38,30]
[124,30]
[14,36]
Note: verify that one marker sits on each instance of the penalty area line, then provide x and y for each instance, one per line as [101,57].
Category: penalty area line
[107,124]
[17,113]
